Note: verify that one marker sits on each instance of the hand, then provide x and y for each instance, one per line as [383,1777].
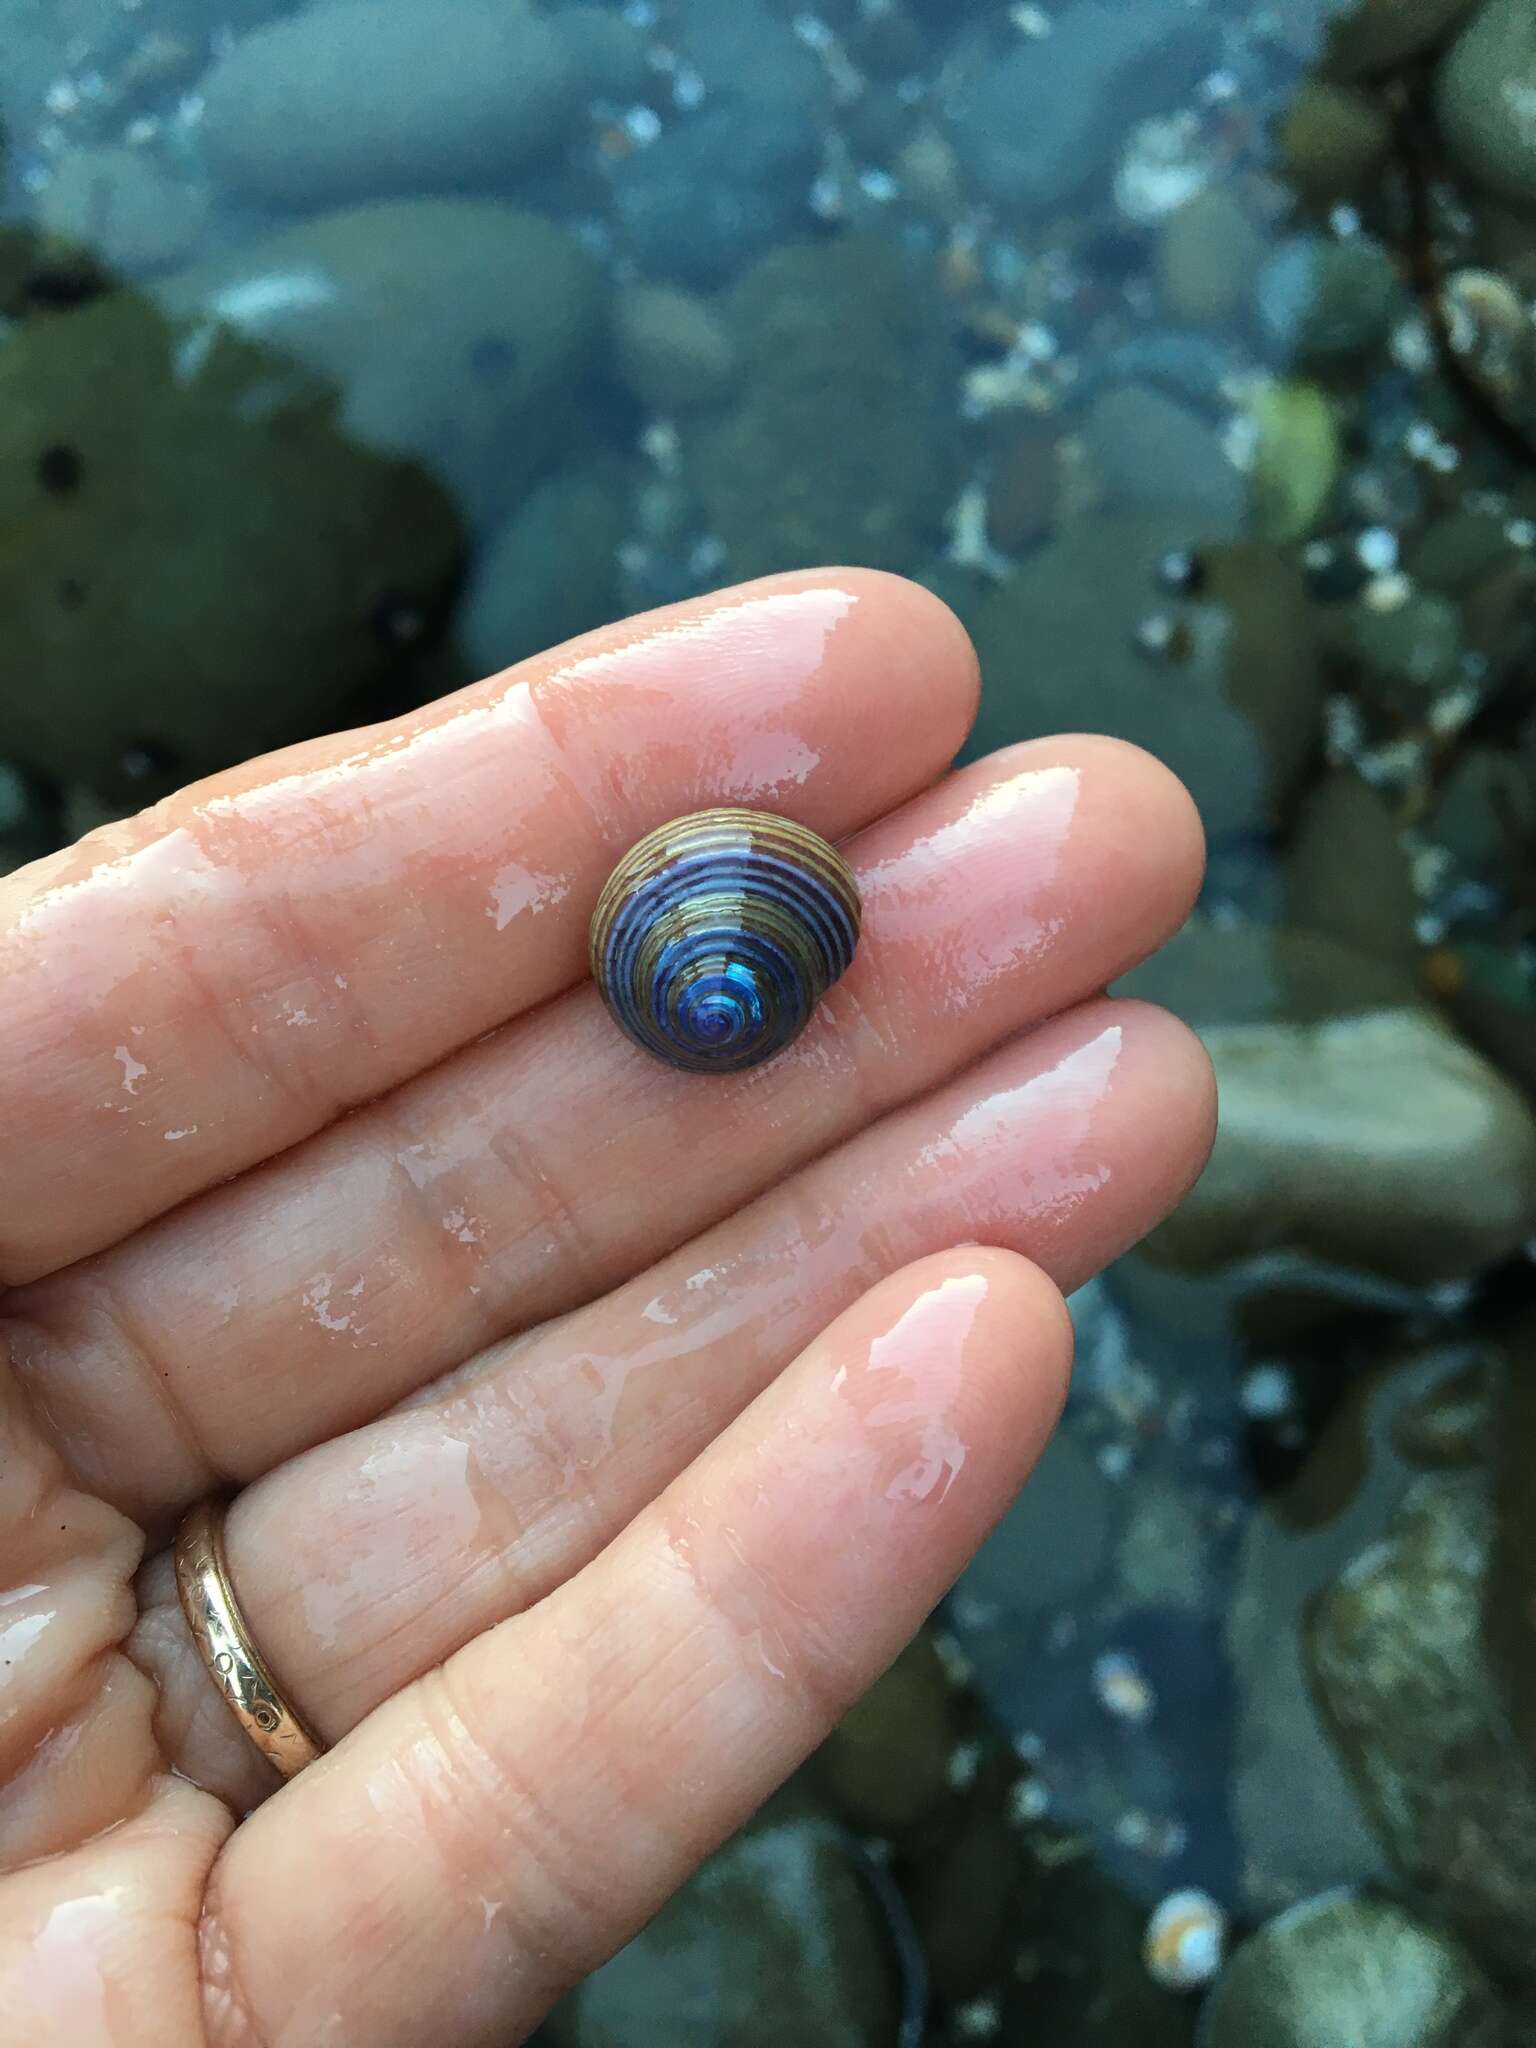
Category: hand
[603,1431]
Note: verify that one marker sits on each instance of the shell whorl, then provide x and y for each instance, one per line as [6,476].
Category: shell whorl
[717,935]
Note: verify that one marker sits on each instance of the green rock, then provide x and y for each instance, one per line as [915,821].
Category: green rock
[776,1939]
[1377,35]
[1351,1971]
[841,446]
[1146,448]
[1487,99]
[551,572]
[1333,141]
[1399,1664]
[459,331]
[964,1901]
[1208,255]
[1347,872]
[1324,303]
[1295,459]
[885,1766]
[1485,812]
[1511,1615]
[1458,551]
[1231,703]
[123,205]
[354,99]
[1411,651]
[1316,1155]
[197,561]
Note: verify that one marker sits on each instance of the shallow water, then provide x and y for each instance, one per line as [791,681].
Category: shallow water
[1185,347]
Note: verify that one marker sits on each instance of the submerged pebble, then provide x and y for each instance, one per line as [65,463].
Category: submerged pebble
[357,98]
[1351,1971]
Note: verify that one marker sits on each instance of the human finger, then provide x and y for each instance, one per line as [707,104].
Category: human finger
[199,988]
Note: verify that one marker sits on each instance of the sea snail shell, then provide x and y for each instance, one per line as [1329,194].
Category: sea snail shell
[716,936]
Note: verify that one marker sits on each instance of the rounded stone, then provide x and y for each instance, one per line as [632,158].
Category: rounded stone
[355,99]
[1348,1971]
[1487,99]
[123,205]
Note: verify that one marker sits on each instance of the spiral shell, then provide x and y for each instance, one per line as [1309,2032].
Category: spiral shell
[716,936]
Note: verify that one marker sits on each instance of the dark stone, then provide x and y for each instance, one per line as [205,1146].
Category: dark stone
[778,1938]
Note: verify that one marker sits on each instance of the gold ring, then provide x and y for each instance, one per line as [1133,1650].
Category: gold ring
[234,1663]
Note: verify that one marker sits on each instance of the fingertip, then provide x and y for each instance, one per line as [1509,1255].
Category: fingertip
[993,1326]
[1148,817]
[929,663]
[1174,1084]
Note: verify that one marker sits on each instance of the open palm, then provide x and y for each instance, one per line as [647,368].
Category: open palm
[603,1430]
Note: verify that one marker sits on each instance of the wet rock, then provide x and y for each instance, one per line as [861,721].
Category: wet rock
[963,1890]
[1223,683]
[746,48]
[1351,1971]
[840,447]
[1080,1978]
[1459,550]
[1511,1612]
[551,571]
[458,331]
[1450,1425]
[1208,256]
[673,349]
[1053,1544]
[1026,488]
[1163,1559]
[1217,974]
[1036,125]
[1144,447]
[354,99]
[129,210]
[1377,35]
[1348,873]
[1410,651]
[29,819]
[1398,1661]
[198,562]
[1490,992]
[1315,1154]
[1296,459]
[776,1939]
[1487,99]
[1333,142]
[605,53]
[1299,1826]
[1485,812]
[885,1766]
[716,191]
[1322,300]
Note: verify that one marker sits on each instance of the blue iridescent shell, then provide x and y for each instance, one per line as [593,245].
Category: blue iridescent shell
[716,936]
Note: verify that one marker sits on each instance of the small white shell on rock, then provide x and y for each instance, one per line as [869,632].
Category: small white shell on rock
[1185,1941]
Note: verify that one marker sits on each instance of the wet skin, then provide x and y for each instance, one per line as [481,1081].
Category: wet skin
[605,1430]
